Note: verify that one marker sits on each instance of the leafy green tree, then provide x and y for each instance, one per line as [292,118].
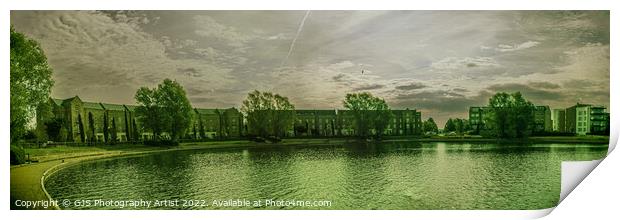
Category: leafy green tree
[164,109]
[450,126]
[368,112]
[511,115]
[459,125]
[31,81]
[268,114]
[430,125]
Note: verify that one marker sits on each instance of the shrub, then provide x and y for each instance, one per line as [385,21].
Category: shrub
[18,156]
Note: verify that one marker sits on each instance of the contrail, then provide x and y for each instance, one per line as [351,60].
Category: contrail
[290,49]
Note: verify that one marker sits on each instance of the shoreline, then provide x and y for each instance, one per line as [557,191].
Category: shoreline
[28,180]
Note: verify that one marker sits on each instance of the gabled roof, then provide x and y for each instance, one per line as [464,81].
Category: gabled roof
[57,101]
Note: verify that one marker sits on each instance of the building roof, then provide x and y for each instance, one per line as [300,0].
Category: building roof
[131,107]
[116,107]
[92,105]
[57,101]
[205,111]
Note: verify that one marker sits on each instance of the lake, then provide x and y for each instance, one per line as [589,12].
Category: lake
[397,175]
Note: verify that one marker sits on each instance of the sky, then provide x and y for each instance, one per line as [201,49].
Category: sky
[438,62]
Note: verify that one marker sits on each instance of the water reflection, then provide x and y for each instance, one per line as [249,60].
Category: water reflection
[399,175]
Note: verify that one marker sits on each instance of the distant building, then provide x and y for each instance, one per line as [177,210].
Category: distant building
[216,123]
[542,119]
[338,122]
[477,117]
[79,121]
[585,119]
[558,118]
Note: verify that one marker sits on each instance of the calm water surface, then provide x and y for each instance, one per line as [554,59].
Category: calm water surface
[351,176]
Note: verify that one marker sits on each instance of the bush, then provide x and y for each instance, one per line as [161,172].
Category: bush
[18,156]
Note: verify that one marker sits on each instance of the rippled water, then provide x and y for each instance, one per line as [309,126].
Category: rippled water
[354,176]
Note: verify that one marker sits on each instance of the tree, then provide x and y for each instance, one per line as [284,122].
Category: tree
[113,131]
[31,81]
[53,129]
[450,126]
[201,128]
[135,136]
[459,125]
[91,125]
[511,115]
[268,114]
[106,131]
[164,109]
[128,132]
[430,125]
[368,112]
[81,128]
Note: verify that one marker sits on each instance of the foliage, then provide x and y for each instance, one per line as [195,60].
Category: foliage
[81,128]
[18,156]
[53,129]
[164,109]
[450,126]
[369,112]
[136,133]
[201,128]
[268,114]
[511,116]
[106,131]
[91,125]
[31,81]
[128,132]
[457,125]
[113,131]
[430,126]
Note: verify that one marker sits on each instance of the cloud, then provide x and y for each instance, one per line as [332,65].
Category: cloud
[208,27]
[411,86]
[368,87]
[539,95]
[446,102]
[544,85]
[437,61]
[515,47]
[454,63]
